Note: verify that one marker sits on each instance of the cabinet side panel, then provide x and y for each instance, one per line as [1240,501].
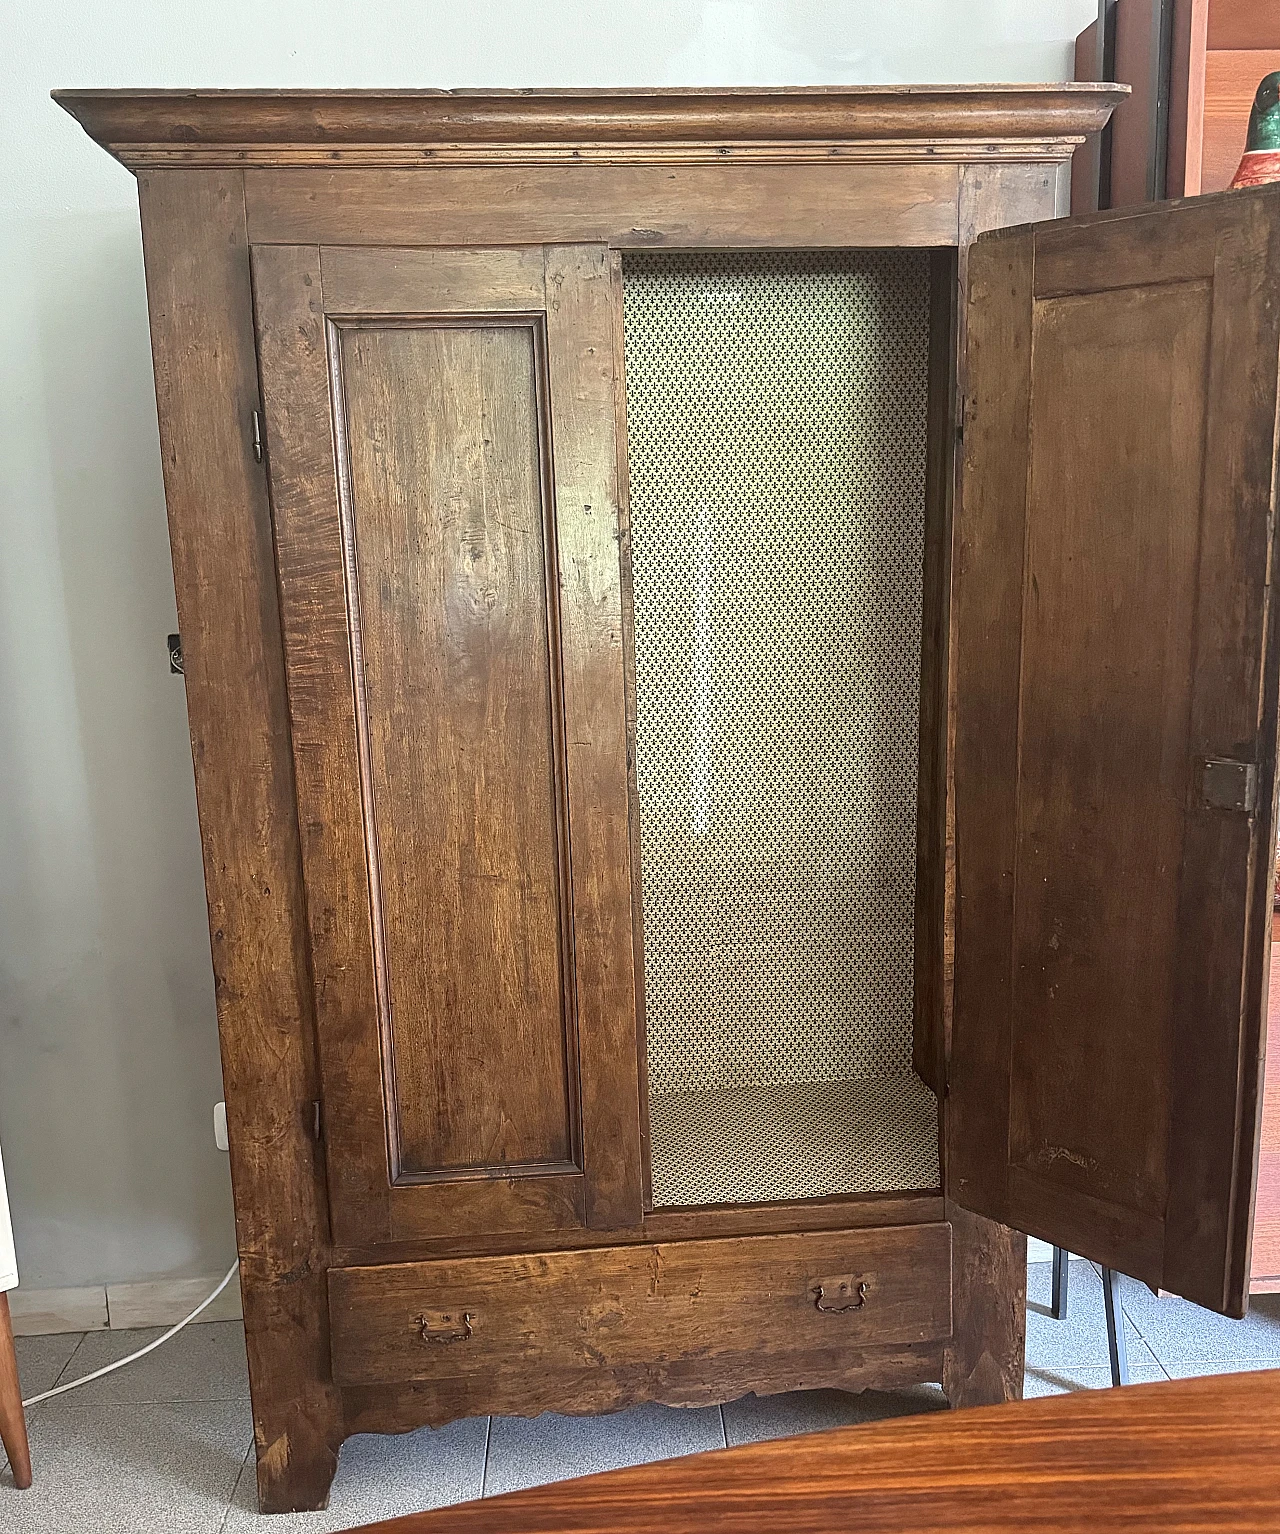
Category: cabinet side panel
[447,520]
[206,388]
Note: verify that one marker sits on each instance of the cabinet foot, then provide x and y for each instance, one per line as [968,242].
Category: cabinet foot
[298,1423]
[983,1364]
[295,1473]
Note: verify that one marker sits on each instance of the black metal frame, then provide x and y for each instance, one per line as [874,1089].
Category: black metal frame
[1117,1346]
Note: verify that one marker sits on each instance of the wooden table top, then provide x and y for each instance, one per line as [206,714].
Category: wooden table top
[1201,1454]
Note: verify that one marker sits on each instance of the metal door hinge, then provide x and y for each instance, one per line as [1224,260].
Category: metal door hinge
[1230,785]
[257,437]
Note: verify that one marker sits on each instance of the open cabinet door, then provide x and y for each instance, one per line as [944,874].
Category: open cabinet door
[1115,673]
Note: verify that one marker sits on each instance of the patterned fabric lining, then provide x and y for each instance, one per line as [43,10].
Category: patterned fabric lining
[776,421]
[749,1145]
[776,407]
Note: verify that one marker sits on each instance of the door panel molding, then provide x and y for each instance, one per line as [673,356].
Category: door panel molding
[415,313]
[1113,632]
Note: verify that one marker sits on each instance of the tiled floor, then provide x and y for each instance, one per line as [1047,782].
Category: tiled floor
[164,1444]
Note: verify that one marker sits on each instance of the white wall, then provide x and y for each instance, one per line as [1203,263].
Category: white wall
[108,1050]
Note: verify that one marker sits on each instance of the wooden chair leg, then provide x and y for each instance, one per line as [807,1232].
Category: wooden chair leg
[13,1425]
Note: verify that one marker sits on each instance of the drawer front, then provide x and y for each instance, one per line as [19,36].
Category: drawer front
[626,1306]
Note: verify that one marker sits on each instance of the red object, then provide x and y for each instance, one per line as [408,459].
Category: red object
[1257,167]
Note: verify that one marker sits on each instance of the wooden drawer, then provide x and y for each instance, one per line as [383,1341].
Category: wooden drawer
[621,1307]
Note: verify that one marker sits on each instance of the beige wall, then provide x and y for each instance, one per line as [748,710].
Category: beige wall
[108,1053]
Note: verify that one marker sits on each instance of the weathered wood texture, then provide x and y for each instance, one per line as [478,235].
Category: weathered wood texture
[459,649]
[677,1318]
[453,639]
[402,336]
[842,1212]
[198,291]
[401,1408]
[632,206]
[1188,1457]
[426,126]
[990,197]
[984,1361]
[1107,1009]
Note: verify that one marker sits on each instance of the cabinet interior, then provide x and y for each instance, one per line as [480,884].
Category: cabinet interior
[777,416]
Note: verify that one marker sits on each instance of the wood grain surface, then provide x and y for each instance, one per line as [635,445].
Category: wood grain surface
[338,193]
[1112,920]
[459,667]
[1189,1457]
[426,126]
[636,206]
[668,1309]
[202,342]
[451,609]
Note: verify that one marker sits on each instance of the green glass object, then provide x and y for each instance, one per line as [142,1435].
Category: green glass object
[1260,162]
[1264,117]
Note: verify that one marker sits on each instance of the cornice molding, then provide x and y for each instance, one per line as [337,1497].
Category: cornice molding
[151,129]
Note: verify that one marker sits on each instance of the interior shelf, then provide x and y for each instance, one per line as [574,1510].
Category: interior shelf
[791,1140]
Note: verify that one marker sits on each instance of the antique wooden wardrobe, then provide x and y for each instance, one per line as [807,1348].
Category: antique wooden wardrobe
[677,910]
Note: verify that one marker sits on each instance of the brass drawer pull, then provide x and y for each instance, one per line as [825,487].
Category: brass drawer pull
[444,1326]
[836,1295]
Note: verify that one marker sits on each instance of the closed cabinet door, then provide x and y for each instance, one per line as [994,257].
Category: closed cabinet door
[439,429]
[1117,670]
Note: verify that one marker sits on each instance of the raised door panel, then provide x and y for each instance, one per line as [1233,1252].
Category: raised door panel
[1116,668]
[442,462]
[462,725]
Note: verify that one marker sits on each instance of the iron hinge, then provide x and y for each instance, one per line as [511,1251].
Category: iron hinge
[257,437]
[1230,785]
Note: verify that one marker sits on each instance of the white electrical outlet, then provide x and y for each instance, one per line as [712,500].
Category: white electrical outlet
[220,1126]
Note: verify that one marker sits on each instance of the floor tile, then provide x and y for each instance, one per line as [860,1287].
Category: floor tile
[162,1469]
[1081,1336]
[524,1452]
[1058,1381]
[202,1363]
[755,1418]
[1178,1331]
[379,1477]
[42,1359]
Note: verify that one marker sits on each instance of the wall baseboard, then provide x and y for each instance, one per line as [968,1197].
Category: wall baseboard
[119,1307]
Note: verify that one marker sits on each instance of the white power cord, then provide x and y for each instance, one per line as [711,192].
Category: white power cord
[150,1347]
